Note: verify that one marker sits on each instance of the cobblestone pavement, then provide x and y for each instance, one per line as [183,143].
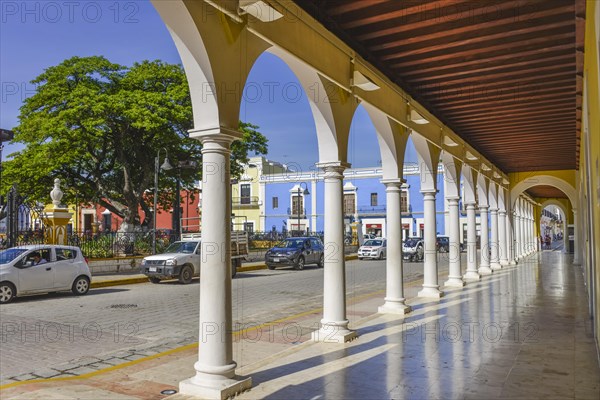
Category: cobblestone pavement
[61,335]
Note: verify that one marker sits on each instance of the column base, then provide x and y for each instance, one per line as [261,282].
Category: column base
[218,389]
[454,282]
[485,270]
[495,266]
[503,263]
[512,262]
[472,276]
[431,292]
[394,307]
[333,333]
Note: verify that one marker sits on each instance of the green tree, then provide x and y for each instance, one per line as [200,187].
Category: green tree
[98,127]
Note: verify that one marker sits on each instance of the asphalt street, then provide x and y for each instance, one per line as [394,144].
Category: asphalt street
[61,335]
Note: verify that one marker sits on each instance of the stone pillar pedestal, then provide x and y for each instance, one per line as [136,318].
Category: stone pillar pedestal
[430,267]
[471,273]
[215,369]
[494,245]
[484,263]
[334,324]
[454,273]
[394,283]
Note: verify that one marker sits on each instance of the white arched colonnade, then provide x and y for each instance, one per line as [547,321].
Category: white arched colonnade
[218,47]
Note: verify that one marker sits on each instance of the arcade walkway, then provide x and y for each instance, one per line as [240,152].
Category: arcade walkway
[523,332]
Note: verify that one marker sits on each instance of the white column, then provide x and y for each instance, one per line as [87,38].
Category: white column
[215,369]
[495,255]
[523,238]
[471,273]
[517,229]
[334,325]
[454,273]
[502,237]
[576,255]
[430,267]
[484,264]
[510,238]
[394,284]
[313,204]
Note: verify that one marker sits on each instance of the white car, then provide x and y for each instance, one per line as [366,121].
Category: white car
[373,248]
[61,268]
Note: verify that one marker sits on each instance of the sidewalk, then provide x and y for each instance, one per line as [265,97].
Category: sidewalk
[128,278]
[522,332]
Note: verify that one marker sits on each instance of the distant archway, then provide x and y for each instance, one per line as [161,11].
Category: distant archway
[530,182]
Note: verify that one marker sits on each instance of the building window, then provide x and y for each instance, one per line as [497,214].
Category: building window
[373,199]
[297,205]
[404,201]
[275,202]
[245,193]
[349,204]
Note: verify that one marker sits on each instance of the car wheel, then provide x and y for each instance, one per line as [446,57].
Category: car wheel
[321,261]
[419,254]
[271,267]
[360,258]
[300,264]
[7,292]
[186,274]
[81,285]
[154,279]
[380,256]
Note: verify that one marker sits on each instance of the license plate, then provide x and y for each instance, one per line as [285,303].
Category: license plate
[152,269]
[276,260]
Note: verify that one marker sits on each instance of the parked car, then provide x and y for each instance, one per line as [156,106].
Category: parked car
[62,268]
[373,248]
[296,252]
[181,260]
[412,249]
[442,244]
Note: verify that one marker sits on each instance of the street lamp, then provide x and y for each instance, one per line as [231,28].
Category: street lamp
[5,136]
[300,192]
[165,166]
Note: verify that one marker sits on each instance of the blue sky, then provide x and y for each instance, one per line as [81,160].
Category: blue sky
[35,35]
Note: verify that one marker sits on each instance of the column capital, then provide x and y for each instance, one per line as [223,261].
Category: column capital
[216,134]
[484,207]
[393,182]
[452,198]
[493,210]
[502,212]
[333,169]
[453,201]
[431,192]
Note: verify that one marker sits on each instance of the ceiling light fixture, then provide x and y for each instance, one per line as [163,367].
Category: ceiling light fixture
[363,82]
[260,10]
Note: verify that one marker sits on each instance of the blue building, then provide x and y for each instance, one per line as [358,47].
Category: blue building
[291,200]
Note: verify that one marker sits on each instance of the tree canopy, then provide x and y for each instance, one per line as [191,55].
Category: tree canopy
[98,126]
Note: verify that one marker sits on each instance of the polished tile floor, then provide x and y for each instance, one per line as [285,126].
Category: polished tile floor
[522,333]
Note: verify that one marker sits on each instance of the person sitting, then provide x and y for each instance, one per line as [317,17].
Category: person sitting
[37,259]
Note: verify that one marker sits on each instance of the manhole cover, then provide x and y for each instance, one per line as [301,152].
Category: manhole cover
[123,306]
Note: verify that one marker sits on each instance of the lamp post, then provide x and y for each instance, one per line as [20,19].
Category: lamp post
[5,136]
[300,192]
[165,166]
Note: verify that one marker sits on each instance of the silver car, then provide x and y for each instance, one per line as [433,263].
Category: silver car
[373,248]
[35,269]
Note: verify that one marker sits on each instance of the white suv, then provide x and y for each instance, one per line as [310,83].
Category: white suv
[61,268]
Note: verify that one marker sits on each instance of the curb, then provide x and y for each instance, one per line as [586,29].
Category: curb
[144,279]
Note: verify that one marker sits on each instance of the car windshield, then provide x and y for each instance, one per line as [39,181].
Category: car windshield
[373,243]
[182,247]
[411,242]
[8,255]
[291,243]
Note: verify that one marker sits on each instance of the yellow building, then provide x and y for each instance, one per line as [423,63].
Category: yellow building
[248,194]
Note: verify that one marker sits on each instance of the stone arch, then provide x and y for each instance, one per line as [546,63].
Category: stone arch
[332,129]
[429,158]
[392,138]
[549,180]
[452,174]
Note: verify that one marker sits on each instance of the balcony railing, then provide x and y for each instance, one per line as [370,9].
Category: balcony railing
[250,201]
